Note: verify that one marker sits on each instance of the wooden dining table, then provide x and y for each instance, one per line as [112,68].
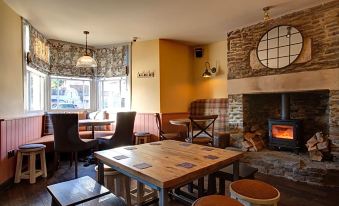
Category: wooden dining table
[168,164]
[94,122]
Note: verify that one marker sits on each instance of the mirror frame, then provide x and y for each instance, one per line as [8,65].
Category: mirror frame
[277,58]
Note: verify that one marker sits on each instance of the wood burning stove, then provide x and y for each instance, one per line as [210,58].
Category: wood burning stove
[285,132]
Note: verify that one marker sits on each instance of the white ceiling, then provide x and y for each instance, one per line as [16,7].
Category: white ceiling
[117,21]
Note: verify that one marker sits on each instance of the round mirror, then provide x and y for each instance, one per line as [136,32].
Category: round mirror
[280,47]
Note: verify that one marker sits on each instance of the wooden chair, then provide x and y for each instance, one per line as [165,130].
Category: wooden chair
[216,200]
[202,129]
[254,192]
[162,134]
[245,172]
[30,150]
[67,139]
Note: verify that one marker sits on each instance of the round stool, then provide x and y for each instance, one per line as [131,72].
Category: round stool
[117,183]
[254,192]
[216,200]
[30,150]
[142,137]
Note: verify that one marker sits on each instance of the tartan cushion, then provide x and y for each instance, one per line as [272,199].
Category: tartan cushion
[211,107]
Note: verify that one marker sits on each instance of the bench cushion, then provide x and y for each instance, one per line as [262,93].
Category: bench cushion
[31,146]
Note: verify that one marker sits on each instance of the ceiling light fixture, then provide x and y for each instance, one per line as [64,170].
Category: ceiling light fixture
[208,70]
[86,60]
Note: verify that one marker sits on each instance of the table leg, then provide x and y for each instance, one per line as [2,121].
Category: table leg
[163,197]
[100,173]
[93,132]
[236,170]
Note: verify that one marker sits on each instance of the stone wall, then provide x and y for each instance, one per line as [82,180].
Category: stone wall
[334,123]
[235,119]
[319,23]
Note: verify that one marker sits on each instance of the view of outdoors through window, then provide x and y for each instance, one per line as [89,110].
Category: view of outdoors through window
[36,90]
[70,93]
[113,93]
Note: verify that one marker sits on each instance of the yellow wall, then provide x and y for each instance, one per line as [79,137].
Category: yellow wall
[11,78]
[175,76]
[145,91]
[215,87]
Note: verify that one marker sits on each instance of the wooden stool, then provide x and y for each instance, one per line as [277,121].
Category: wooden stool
[245,172]
[30,150]
[117,183]
[142,137]
[216,200]
[141,193]
[254,192]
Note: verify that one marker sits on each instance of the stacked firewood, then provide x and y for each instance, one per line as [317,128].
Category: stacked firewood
[318,146]
[253,140]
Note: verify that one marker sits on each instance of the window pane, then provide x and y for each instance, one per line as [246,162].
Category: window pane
[36,85]
[113,94]
[70,93]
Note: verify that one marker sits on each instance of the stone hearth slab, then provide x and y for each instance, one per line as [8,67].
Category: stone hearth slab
[297,167]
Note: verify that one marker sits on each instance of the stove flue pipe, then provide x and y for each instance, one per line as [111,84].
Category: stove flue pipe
[285,106]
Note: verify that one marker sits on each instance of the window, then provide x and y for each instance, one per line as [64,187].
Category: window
[70,93]
[113,94]
[35,88]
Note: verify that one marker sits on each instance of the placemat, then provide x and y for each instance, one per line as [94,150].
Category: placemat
[130,148]
[186,165]
[142,166]
[212,157]
[120,157]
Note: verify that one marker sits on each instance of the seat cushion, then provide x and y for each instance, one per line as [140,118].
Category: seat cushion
[213,200]
[97,134]
[32,146]
[201,140]
[254,189]
[141,134]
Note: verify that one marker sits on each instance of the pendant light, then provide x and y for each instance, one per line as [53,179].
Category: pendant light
[86,60]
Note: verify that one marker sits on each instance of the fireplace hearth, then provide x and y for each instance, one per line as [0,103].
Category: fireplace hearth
[285,133]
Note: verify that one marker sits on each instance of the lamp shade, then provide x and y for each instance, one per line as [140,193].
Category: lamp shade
[86,61]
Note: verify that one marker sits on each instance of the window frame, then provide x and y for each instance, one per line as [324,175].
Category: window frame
[49,106]
[100,93]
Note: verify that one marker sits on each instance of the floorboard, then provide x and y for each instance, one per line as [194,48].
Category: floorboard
[292,193]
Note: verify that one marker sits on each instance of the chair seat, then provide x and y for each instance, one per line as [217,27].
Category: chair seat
[141,134]
[171,136]
[31,146]
[216,200]
[254,189]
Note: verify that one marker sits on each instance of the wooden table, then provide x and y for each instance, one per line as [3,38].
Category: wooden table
[76,191]
[94,122]
[164,158]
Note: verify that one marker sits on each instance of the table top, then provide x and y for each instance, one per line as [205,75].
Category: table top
[95,122]
[165,158]
[77,191]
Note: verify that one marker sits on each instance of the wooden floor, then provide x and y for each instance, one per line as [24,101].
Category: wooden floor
[292,193]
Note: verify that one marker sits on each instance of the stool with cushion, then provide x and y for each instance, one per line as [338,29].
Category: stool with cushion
[117,183]
[142,137]
[245,172]
[216,200]
[254,192]
[30,150]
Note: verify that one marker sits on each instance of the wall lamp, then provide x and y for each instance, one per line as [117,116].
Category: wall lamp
[208,70]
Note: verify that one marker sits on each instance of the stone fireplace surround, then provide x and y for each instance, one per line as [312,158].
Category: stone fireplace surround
[314,87]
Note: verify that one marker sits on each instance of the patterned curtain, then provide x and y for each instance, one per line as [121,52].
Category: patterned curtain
[112,62]
[38,55]
[64,56]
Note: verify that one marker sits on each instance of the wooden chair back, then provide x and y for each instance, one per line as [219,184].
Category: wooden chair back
[201,125]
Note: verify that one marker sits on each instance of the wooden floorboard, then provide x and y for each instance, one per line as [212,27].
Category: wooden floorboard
[292,193]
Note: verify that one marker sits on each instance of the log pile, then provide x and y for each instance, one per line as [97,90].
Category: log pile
[253,140]
[318,146]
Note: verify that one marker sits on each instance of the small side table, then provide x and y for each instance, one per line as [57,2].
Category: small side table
[30,150]
[142,137]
